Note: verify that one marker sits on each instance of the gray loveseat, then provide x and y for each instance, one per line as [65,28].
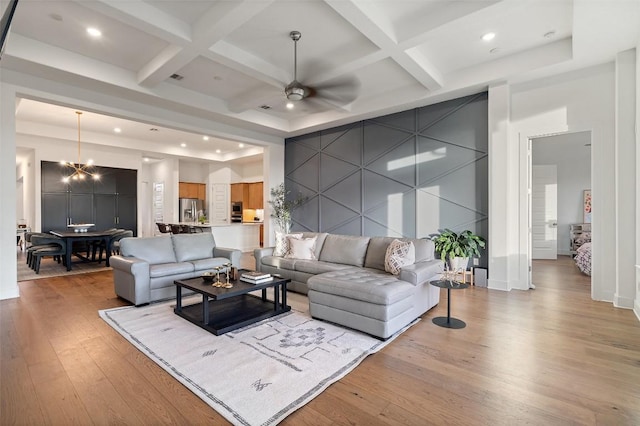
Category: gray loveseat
[348,285]
[146,268]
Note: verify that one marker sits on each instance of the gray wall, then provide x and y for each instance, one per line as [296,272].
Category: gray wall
[406,174]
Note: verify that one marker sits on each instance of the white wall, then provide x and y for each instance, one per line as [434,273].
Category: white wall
[192,171]
[636,305]
[573,160]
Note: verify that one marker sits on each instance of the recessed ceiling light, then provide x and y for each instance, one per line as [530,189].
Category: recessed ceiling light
[117,129]
[495,50]
[153,129]
[289,105]
[489,36]
[94,32]
[218,151]
[241,145]
[184,145]
[549,34]
[205,138]
[146,159]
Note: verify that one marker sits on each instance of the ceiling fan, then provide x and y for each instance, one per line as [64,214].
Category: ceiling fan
[336,92]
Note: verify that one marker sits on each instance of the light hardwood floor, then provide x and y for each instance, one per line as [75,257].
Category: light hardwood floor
[546,356]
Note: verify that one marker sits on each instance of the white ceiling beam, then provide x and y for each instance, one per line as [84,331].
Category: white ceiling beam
[378,30]
[215,24]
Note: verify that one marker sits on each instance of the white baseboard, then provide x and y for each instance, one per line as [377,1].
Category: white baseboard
[623,302]
[636,309]
[497,285]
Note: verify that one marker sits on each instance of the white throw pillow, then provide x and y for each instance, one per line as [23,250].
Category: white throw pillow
[303,248]
[282,243]
[399,254]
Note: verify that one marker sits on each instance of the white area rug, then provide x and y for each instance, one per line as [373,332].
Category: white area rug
[253,376]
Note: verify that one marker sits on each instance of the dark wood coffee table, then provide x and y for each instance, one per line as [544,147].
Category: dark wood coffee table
[226,309]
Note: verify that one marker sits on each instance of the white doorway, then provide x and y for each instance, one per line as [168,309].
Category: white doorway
[570,153]
[544,212]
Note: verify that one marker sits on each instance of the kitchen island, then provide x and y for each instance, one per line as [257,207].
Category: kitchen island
[243,236]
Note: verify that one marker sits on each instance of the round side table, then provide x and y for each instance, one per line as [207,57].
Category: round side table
[447,321]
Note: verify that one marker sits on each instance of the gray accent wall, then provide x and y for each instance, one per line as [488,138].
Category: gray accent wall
[405,175]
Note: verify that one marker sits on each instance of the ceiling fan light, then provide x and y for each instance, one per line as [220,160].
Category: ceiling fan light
[294,92]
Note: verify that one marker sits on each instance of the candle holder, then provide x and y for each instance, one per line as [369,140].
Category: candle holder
[227,284]
[218,283]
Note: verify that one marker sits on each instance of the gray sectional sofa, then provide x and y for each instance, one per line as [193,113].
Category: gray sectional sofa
[348,285]
[146,268]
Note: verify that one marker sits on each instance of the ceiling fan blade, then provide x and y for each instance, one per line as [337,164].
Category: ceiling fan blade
[342,90]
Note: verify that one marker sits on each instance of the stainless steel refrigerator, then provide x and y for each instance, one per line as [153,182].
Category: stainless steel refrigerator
[191,209]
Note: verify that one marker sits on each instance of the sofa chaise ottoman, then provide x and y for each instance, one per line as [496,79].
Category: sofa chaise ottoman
[347,283]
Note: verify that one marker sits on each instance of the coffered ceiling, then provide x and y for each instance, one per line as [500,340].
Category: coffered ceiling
[236,57]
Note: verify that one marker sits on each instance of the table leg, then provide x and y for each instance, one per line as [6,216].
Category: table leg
[67,255]
[205,309]
[276,297]
[178,298]
[448,306]
[264,294]
[284,296]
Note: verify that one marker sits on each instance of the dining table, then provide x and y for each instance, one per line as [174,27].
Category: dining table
[72,237]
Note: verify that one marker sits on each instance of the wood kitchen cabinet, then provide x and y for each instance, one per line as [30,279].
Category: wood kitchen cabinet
[250,194]
[192,190]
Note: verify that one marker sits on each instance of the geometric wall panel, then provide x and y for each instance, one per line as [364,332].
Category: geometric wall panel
[301,174]
[333,214]
[460,128]
[333,170]
[405,174]
[296,154]
[398,164]
[436,158]
[346,145]
[347,192]
[433,113]
[401,120]
[377,189]
[378,139]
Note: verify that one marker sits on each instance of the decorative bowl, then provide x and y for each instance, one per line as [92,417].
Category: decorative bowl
[80,227]
[208,276]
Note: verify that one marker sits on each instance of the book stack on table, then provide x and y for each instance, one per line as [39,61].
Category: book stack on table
[254,277]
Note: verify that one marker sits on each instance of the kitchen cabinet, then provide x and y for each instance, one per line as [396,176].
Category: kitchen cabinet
[192,190]
[249,194]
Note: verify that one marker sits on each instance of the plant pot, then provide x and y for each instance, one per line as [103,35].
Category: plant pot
[458,263]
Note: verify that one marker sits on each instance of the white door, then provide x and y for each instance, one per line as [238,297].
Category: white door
[219,204]
[544,212]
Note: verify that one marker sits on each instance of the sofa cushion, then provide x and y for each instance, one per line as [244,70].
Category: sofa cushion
[301,248]
[193,246]
[282,243]
[279,262]
[208,264]
[164,269]
[150,249]
[424,250]
[345,249]
[318,267]
[399,254]
[368,285]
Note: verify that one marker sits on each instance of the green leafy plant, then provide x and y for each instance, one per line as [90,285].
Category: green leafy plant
[282,205]
[451,244]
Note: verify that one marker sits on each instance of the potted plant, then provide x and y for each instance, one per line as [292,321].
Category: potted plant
[282,207]
[456,248]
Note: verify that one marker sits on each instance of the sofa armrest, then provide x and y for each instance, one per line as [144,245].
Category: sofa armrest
[421,272]
[260,253]
[232,254]
[132,265]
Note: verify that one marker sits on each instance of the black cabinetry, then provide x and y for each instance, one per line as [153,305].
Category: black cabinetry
[110,202]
